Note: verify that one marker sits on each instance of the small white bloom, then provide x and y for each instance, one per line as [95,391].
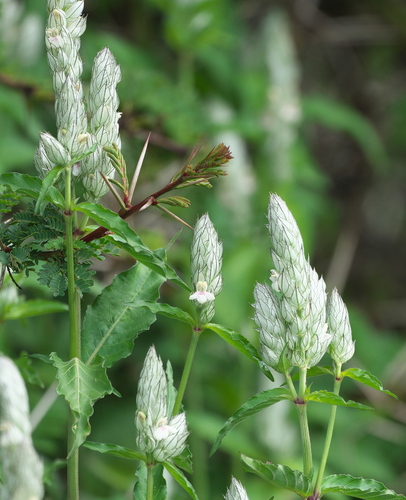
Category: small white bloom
[202,295]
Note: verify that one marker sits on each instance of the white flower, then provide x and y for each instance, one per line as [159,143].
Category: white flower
[159,435]
[202,295]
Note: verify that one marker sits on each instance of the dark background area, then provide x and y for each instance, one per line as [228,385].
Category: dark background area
[311,98]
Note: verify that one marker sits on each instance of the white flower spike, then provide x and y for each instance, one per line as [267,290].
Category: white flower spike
[291,313]
[160,436]
[205,267]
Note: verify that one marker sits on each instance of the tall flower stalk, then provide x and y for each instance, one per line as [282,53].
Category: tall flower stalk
[77,153]
[205,267]
[297,324]
[160,436]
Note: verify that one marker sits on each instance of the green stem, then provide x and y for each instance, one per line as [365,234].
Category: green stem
[301,406]
[186,370]
[150,481]
[74,332]
[291,386]
[329,435]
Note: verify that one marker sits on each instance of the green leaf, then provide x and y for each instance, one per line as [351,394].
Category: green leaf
[140,489]
[125,238]
[48,181]
[280,475]
[315,371]
[184,460]
[251,407]
[358,487]
[34,307]
[242,344]
[30,186]
[180,478]
[165,310]
[366,378]
[114,449]
[333,399]
[111,325]
[81,386]
[29,373]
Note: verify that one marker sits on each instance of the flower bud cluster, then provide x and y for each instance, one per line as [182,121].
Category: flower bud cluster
[205,267]
[103,122]
[342,346]
[65,25]
[160,436]
[78,132]
[291,314]
[21,467]
[236,491]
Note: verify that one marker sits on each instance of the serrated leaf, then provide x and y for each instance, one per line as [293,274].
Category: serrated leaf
[140,488]
[116,450]
[30,186]
[111,325]
[358,487]
[366,378]
[124,237]
[280,475]
[251,407]
[165,310]
[181,479]
[81,386]
[34,307]
[333,399]
[48,181]
[242,344]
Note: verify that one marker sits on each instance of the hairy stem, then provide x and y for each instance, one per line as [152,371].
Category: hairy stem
[186,370]
[329,435]
[74,332]
[304,424]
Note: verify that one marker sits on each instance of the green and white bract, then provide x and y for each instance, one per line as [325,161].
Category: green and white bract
[160,436]
[205,267]
[236,491]
[291,313]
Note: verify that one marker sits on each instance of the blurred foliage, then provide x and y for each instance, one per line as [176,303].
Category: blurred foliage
[311,100]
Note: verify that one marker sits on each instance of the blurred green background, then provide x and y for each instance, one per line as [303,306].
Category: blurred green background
[310,95]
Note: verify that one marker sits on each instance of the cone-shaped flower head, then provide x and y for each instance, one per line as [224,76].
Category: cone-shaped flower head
[342,346]
[205,267]
[291,316]
[236,491]
[102,104]
[159,435]
[21,467]
[65,25]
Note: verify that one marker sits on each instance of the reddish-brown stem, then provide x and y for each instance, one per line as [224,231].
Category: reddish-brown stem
[124,214]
